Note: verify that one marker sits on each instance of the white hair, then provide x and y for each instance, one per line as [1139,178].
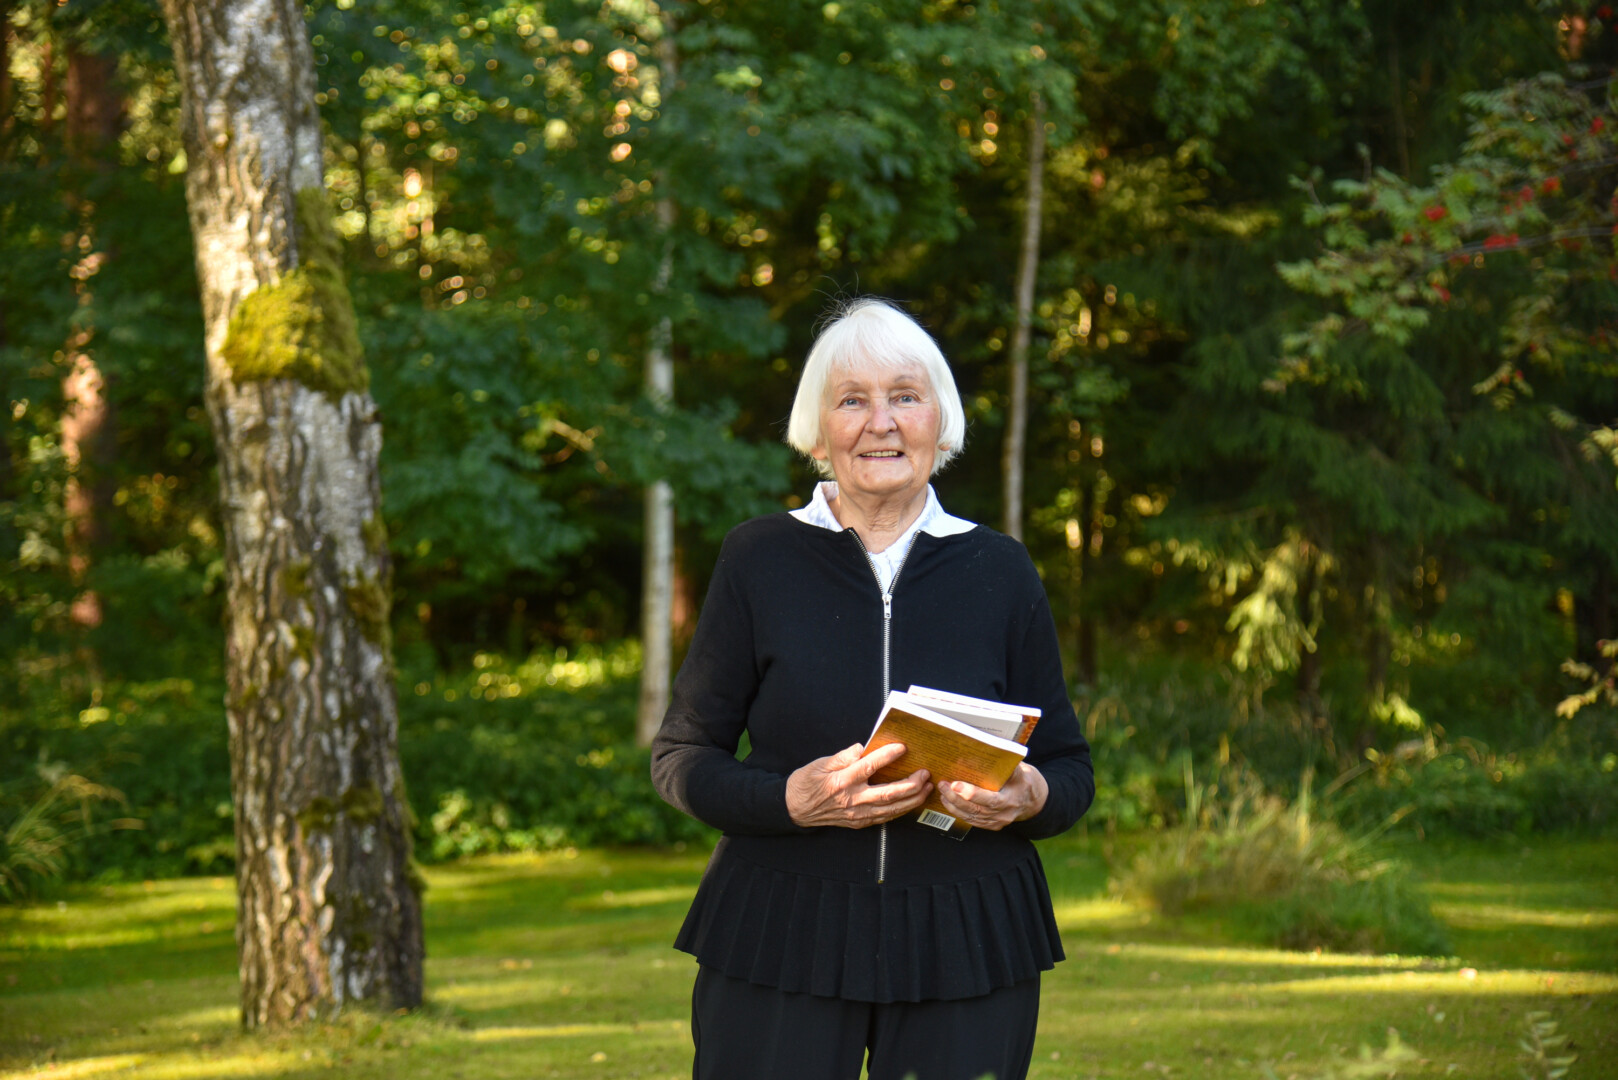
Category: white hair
[867,333]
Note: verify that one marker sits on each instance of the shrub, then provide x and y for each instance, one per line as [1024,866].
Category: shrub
[1463,787]
[505,757]
[532,755]
[1300,881]
[36,844]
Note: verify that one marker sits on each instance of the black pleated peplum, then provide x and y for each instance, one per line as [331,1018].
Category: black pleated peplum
[805,933]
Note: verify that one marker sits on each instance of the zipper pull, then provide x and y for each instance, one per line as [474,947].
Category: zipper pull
[887,605]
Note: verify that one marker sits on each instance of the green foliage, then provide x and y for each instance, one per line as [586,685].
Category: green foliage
[36,844]
[1389,1061]
[1602,686]
[1284,518]
[532,756]
[509,756]
[1302,882]
[1463,788]
[160,744]
[1540,1045]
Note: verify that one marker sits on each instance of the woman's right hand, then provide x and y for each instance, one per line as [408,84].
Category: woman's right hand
[836,790]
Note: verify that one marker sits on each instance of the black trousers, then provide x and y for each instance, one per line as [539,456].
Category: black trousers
[744,1031]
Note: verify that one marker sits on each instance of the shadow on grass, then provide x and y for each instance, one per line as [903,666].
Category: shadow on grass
[560,966]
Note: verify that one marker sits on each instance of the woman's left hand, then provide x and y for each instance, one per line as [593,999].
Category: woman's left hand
[1022,797]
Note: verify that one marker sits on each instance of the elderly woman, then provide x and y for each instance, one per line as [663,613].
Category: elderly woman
[831,928]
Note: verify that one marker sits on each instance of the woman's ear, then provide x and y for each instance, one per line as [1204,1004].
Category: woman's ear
[819,452]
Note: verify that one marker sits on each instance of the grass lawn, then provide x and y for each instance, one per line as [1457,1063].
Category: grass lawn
[559,966]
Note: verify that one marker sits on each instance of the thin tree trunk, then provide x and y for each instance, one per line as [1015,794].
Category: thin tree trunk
[1088,518]
[7,121]
[1379,610]
[657,556]
[1592,619]
[95,117]
[47,83]
[1011,465]
[1396,86]
[1309,670]
[329,911]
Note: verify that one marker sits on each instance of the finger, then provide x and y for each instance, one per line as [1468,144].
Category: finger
[845,757]
[953,803]
[877,759]
[980,798]
[891,811]
[973,811]
[910,787]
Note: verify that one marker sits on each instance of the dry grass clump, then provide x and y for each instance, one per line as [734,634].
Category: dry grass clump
[1293,879]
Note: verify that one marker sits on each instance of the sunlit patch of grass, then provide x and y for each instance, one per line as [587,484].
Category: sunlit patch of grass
[568,1031]
[96,1066]
[1485,984]
[1255,957]
[1482,915]
[609,898]
[1098,912]
[151,911]
[560,965]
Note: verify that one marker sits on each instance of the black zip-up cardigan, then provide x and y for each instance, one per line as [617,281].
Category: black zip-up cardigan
[789,648]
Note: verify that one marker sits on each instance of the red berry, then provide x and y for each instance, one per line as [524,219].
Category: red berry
[1596,125]
[1443,293]
[1435,213]
[1551,186]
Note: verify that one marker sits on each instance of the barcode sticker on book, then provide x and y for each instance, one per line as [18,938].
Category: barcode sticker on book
[936,820]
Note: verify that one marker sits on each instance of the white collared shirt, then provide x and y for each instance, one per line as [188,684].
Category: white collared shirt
[932,520]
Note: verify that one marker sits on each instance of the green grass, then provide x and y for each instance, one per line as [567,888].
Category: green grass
[559,966]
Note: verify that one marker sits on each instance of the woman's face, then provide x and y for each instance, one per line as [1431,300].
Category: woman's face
[880,430]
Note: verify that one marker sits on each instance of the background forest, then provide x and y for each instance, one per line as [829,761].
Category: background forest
[1320,460]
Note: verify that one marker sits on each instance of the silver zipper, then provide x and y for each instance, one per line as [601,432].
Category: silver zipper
[887,655]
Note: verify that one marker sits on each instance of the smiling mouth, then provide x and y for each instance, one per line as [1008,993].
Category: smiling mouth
[882,454]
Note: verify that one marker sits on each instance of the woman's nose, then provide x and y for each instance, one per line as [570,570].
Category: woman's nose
[881,418]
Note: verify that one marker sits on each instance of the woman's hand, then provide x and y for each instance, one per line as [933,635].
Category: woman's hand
[836,790]
[1023,796]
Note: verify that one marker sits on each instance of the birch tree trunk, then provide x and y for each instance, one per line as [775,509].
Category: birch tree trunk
[1011,463]
[329,910]
[657,556]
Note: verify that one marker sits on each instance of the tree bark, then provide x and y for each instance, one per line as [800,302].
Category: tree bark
[1396,87]
[657,556]
[95,119]
[1087,671]
[329,911]
[1011,465]
[1309,668]
[7,122]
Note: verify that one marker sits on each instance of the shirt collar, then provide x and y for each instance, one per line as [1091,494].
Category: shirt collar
[933,520]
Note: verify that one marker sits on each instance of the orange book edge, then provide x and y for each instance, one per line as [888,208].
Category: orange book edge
[947,748]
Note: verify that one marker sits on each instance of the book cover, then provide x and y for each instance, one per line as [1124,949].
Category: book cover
[1014,722]
[947,748]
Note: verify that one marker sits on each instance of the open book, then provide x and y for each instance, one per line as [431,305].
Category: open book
[953,737]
